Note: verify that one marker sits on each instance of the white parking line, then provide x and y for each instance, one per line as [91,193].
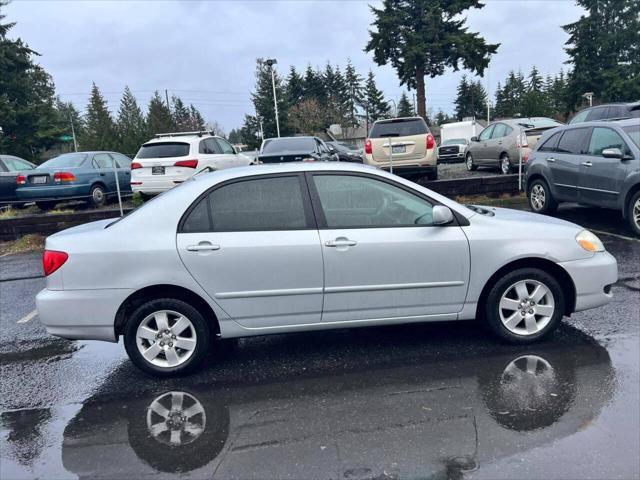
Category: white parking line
[28,317]
[600,232]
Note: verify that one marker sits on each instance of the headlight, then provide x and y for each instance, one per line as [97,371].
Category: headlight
[589,241]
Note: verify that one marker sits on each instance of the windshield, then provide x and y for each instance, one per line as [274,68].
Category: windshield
[68,160]
[163,150]
[293,144]
[399,128]
[455,141]
[634,133]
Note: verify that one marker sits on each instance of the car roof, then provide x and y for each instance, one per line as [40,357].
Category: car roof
[397,119]
[180,138]
[622,122]
[626,104]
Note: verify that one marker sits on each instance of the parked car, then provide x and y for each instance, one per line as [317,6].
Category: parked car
[452,150]
[10,167]
[171,158]
[498,144]
[88,176]
[413,147]
[347,152]
[296,149]
[299,247]
[593,163]
[608,111]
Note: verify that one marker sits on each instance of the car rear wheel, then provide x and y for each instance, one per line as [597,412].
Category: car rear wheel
[633,213]
[98,197]
[540,198]
[505,164]
[469,163]
[525,305]
[167,337]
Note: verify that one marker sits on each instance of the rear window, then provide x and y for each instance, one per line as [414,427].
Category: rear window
[163,150]
[283,145]
[68,160]
[399,128]
[634,133]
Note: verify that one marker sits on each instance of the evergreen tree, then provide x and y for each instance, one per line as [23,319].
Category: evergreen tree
[424,37]
[262,98]
[313,85]
[341,96]
[250,132]
[196,121]
[353,86]
[471,99]
[604,49]
[295,86]
[235,136]
[181,115]
[100,130]
[534,99]
[405,108]
[373,100]
[442,118]
[68,115]
[28,117]
[130,125]
[159,118]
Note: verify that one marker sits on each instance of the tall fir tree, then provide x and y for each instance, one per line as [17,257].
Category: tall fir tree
[70,120]
[180,113]
[471,99]
[373,100]
[294,86]
[130,124]
[100,130]
[195,120]
[262,98]
[159,118]
[405,107]
[353,85]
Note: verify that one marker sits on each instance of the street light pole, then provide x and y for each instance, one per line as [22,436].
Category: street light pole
[73,133]
[271,62]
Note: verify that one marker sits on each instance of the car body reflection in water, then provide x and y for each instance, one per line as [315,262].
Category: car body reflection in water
[434,415]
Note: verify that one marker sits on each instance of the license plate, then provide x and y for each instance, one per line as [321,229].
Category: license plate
[157,170]
[41,179]
[398,149]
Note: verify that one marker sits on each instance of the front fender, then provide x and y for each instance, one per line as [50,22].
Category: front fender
[628,188]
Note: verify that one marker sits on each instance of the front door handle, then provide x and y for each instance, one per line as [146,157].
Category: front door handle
[341,242]
[587,164]
[551,159]
[203,247]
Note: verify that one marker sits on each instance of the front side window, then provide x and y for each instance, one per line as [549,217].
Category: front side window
[350,201]
[603,138]
[486,133]
[573,141]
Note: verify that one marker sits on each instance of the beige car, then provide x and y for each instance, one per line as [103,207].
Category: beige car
[404,145]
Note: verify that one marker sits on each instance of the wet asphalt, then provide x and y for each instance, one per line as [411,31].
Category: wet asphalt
[438,401]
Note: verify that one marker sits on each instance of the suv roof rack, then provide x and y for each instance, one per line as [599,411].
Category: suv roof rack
[182,134]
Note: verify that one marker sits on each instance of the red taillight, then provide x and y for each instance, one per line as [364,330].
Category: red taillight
[52,261]
[368,149]
[60,177]
[431,142]
[186,163]
[525,158]
[21,179]
[135,165]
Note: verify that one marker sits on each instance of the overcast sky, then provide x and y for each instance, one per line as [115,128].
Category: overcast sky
[205,51]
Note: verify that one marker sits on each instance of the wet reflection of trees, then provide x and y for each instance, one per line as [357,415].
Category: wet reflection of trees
[25,438]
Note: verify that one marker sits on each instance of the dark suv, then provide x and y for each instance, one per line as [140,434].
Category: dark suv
[607,111]
[592,163]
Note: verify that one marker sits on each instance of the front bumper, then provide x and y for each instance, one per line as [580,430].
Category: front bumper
[593,278]
[81,314]
[451,157]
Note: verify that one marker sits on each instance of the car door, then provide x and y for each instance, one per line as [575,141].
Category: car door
[209,155]
[494,144]
[253,246]
[479,149]
[229,156]
[564,164]
[123,164]
[601,178]
[383,259]
[103,163]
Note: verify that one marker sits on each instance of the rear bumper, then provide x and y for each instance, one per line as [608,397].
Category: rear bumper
[593,278]
[81,314]
[53,192]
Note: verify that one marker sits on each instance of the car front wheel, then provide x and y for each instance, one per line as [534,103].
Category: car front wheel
[540,198]
[633,213]
[167,337]
[525,305]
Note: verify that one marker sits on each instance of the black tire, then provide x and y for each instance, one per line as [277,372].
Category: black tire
[492,309]
[469,163]
[45,205]
[633,213]
[145,197]
[200,326]
[97,196]
[545,204]
[433,175]
[505,170]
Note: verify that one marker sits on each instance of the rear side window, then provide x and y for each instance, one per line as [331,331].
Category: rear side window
[551,144]
[399,128]
[122,160]
[209,146]
[102,160]
[500,131]
[603,138]
[256,205]
[198,219]
[225,146]
[163,150]
[14,164]
[573,141]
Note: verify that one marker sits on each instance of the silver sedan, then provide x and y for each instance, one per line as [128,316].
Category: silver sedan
[299,247]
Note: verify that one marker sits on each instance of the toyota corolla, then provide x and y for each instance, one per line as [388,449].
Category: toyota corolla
[300,247]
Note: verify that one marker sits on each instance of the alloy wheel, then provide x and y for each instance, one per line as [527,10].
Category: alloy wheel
[97,196]
[469,162]
[505,165]
[176,419]
[636,213]
[526,307]
[166,339]
[538,197]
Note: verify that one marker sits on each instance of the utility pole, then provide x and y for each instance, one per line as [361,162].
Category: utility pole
[271,62]
[166,96]
[73,133]
[488,96]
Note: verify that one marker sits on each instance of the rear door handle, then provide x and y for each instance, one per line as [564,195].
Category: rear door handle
[202,247]
[341,242]
[551,159]
[587,164]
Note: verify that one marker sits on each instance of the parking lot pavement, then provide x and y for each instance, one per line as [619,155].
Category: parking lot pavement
[447,171]
[437,400]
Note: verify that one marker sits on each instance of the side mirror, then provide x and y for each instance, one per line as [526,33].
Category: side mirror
[441,215]
[332,149]
[474,139]
[612,153]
